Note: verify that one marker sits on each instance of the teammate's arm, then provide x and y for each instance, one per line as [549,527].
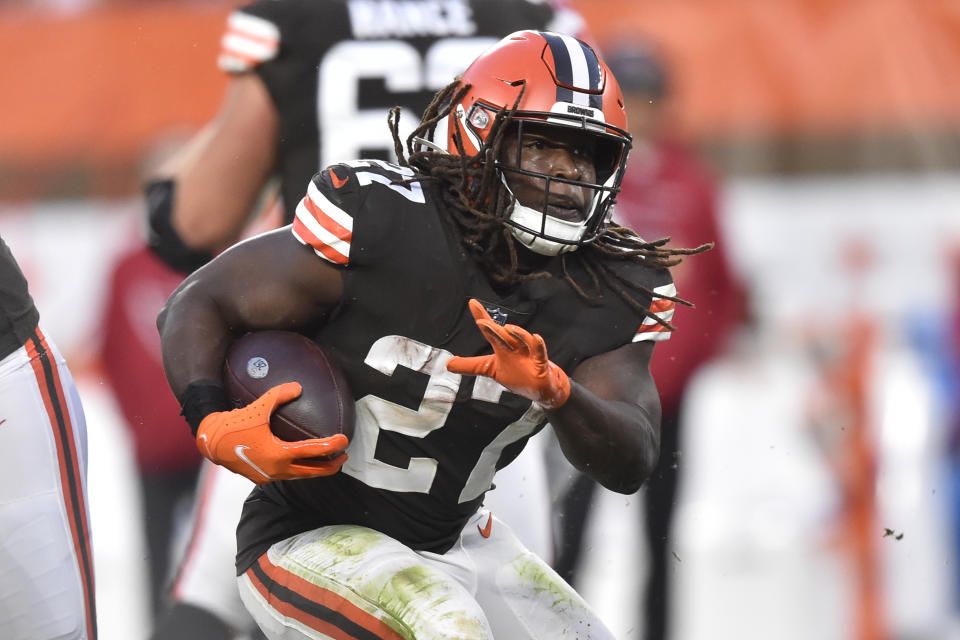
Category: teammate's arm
[201,198]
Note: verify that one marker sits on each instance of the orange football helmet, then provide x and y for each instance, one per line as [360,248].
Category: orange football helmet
[565,84]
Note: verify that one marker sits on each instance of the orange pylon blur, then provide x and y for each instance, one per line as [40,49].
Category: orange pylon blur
[860,517]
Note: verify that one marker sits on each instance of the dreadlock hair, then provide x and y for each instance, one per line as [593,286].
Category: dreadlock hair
[478,201]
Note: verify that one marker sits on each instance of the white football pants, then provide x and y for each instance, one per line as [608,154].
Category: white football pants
[347,581]
[46,565]
[206,576]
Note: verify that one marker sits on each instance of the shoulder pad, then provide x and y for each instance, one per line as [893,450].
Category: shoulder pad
[359,195]
[324,217]
[663,309]
[249,40]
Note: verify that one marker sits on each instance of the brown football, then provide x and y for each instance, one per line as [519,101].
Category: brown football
[263,359]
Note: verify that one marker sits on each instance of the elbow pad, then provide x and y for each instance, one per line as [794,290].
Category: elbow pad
[162,238]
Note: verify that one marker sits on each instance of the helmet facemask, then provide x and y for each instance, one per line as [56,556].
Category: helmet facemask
[556,207]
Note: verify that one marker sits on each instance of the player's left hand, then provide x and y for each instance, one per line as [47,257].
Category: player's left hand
[519,362]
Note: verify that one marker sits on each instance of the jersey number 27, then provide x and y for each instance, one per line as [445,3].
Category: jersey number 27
[375,414]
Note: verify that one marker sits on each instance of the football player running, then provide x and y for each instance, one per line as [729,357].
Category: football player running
[311,82]
[410,274]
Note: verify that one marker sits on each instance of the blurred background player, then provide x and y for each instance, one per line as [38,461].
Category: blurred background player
[310,82]
[667,192]
[46,566]
[166,462]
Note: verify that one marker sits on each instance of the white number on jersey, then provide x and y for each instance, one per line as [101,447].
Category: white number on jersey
[346,129]
[386,174]
[375,414]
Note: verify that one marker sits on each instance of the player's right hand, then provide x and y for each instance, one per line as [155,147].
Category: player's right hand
[241,440]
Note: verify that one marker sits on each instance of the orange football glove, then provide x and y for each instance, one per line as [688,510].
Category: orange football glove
[519,362]
[241,441]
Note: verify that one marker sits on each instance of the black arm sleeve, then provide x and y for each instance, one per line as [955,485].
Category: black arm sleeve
[200,399]
[162,238]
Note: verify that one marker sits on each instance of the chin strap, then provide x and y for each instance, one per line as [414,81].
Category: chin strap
[523,218]
[525,224]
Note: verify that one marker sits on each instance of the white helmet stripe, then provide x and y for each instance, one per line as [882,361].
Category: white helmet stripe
[578,67]
[577,70]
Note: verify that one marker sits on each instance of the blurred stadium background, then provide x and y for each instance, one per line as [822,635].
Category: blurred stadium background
[821,490]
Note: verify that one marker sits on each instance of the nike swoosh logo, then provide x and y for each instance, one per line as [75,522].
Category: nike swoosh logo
[240,450]
[485,532]
[337,181]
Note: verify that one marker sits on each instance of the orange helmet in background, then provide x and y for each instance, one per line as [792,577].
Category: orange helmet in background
[564,83]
